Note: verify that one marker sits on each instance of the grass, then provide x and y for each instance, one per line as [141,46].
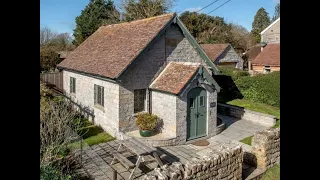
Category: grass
[272,173]
[259,107]
[247,140]
[92,135]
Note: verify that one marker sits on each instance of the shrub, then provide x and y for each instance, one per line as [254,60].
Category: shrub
[233,72]
[146,121]
[51,172]
[261,88]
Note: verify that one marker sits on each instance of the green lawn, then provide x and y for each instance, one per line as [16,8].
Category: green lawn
[92,135]
[272,173]
[259,107]
[247,140]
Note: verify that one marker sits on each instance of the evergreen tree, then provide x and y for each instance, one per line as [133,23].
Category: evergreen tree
[276,12]
[95,14]
[260,22]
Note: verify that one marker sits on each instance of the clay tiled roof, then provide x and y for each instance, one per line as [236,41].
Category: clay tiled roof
[175,76]
[213,51]
[253,52]
[270,56]
[112,48]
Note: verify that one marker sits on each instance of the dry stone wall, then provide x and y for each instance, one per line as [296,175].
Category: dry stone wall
[224,163]
[246,114]
[266,148]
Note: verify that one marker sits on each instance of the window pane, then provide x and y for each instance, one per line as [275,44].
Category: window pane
[99,95]
[95,94]
[201,101]
[139,100]
[102,96]
[70,84]
[74,85]
[191,103]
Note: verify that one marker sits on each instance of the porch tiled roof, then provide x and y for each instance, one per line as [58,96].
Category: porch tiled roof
[175,77]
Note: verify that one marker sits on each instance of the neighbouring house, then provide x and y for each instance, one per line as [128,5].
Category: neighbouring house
[150,65]
[223,55]
[271,34]
[63,54]
[268,60]
[252,53]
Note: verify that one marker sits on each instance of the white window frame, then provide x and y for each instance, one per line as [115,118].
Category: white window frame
[98,92]
[72,85]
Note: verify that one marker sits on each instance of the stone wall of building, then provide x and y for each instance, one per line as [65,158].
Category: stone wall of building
[266,148]
[224,163]
[246,114]
[272,35]
[108,116]
[230,55]
[170,46]
[164,106]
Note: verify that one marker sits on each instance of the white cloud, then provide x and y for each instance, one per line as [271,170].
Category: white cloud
[193,9]
[276,1]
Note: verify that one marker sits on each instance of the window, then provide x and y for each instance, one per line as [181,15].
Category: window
[98,95]
[139,99]
[72,85]
[267,69]
[201,101]
[191,103]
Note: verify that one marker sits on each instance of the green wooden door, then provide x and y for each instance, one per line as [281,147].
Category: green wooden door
[197,113]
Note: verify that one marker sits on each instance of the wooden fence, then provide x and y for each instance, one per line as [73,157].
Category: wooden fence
[54,80]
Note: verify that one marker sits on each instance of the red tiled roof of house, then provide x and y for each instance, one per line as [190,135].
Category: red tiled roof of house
[253,52]
[213,51]
[112,48]
[269,56]
[175,77]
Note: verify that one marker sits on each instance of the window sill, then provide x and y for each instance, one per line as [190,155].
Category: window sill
[73,94]
[101,108]
[136,114]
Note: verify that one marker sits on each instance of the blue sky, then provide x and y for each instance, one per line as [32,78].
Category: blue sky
[59,15]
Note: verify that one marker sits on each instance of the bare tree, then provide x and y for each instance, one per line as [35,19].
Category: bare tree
[133,10]
[57,128]
[242,37]
[62,42]
[46,35]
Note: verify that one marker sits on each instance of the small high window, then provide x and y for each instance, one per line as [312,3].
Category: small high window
[98,95]
[72,85]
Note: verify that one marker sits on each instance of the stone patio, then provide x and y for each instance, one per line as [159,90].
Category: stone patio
[101,154]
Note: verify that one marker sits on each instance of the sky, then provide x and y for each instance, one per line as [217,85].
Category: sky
[59,15]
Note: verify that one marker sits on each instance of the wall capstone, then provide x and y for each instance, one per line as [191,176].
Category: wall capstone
[222,163]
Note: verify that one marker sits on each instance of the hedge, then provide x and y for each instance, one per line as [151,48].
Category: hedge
[261,88]
[234,73]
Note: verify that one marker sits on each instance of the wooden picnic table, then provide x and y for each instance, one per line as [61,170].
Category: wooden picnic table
[140,149]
